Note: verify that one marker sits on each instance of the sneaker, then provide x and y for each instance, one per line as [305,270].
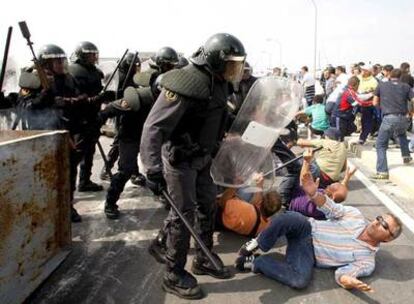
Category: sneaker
[111,211]
[89,187]
[249,248]
[139,180]
[158,249]
[380,176]
[182,284]
[245,263]
[361,142]
[74,215]
[202,266]
[407,160]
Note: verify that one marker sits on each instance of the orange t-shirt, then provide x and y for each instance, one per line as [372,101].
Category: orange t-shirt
[240,217]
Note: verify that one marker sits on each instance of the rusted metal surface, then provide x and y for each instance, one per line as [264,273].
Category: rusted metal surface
[34,209]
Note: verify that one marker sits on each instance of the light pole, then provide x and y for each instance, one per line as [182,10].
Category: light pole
[315,37]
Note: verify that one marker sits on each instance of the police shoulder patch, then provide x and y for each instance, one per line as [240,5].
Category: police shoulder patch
[170,96]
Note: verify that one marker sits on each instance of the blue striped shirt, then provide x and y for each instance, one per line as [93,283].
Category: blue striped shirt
[336,242]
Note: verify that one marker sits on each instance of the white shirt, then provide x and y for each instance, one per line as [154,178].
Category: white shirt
[308,80]
[342,79]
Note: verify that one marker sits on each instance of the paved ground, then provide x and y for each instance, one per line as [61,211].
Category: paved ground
[109,262]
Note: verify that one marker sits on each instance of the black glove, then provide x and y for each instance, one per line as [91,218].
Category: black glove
[103,97]
[156,182]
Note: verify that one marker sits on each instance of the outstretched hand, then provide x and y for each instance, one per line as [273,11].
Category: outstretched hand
[308,155]
[258,178]
[350,170]
[349,282]
[308,184]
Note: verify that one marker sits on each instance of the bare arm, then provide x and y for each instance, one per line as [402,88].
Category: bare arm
[305,143]
[306,180]
[307,159]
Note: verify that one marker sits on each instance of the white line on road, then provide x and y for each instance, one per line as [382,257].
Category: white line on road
[407,220]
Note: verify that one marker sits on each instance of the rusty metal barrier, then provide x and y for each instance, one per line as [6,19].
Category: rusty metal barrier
[35,234]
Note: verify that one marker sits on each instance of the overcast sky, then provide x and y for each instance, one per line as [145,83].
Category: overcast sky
[348,30]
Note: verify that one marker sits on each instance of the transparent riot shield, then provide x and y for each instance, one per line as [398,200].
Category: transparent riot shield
[270,105]
[107,67]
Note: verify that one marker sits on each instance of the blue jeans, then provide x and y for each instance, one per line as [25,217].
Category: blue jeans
[391,124]
[297,268]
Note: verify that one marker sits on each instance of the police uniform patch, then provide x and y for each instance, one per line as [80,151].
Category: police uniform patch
[170,96]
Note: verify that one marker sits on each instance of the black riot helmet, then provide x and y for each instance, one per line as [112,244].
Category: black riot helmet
[182,62]
[223,54]
[53,58]
[50,51]
[82,53]
[166,58]
[126,63]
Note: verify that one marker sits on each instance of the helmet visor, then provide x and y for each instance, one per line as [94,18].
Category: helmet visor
[233,71]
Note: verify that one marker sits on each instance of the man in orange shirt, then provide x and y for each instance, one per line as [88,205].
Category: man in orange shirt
[248,218]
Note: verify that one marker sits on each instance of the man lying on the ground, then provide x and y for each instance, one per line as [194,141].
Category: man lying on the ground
[346,241]
[338,192]
[248,218]
[331,160]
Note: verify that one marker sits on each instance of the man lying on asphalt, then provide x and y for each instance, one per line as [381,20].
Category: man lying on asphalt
[346,241]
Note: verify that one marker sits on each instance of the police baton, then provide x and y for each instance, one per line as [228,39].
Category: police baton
[289,162]
[5,56]
[131,66]
[101,150]
[196,237]
[114,72]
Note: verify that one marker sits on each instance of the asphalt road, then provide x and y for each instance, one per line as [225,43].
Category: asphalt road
[109,262]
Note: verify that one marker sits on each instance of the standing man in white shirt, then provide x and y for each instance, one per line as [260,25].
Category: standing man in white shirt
[308,83]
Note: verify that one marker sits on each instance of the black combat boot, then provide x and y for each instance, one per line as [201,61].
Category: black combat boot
[203,266]
[138,180]
[157,248]
[89,186]
[182,284]
[74,215]
[111,211]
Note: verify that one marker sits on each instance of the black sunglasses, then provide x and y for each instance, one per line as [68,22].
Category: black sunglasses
[384,224]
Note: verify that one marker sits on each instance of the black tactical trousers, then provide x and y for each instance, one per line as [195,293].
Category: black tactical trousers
[127,165]
[193,191]
[89,139]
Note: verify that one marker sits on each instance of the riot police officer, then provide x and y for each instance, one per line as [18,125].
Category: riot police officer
[131,111]
[55,107]
[89,80]
[164,60]
[180,137]
[125,80]
[39,109]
